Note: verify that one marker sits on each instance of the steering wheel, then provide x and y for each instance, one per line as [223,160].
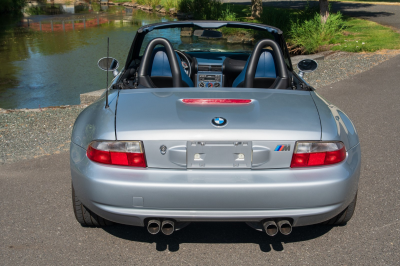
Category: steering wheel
[187,66]
[143,71]
[282,79]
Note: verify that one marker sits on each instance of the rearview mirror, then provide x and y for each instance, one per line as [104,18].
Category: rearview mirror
[307,66]
[108,64]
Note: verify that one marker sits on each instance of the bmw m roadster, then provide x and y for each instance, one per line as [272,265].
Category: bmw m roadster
[197,128]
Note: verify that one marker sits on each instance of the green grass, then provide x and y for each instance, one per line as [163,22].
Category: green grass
[365,36]
[304,32]
[302,29]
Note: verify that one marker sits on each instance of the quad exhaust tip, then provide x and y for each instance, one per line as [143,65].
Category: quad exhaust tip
[270,228]
[167,227]
[153,227]
[284,227]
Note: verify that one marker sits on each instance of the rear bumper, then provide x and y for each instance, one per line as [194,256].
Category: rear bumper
[129,196]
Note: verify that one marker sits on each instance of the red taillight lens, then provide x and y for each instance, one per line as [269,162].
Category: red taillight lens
[99,156]
[318,153]
[129,153]
[216,101]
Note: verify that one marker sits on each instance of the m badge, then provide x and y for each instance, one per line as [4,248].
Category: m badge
[282,148]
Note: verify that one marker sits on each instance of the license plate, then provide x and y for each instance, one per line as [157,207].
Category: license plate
[219,154]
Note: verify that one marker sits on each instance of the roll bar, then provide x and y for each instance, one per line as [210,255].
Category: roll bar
[282,79]
[144,67]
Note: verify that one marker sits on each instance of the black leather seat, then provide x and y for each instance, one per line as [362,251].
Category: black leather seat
[160,69]
[265,73]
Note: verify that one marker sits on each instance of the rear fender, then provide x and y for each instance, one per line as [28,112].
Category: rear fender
[335,124]
[96,122]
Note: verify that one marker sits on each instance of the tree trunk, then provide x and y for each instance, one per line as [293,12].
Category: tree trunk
[256,8]
[324,10]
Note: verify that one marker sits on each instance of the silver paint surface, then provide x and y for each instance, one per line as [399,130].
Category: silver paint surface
[167,188]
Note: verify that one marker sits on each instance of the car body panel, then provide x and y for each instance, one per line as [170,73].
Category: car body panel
[335,124]
[96,122]
[159,117]
[263,154]
[154,114]
[130,195]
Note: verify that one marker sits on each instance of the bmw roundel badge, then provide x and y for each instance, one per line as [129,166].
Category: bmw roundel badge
[219,121]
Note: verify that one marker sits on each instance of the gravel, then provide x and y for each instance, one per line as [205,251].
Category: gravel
[26,134]
[341,65]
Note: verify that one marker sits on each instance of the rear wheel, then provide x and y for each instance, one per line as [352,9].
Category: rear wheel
[345,216]
[86,217]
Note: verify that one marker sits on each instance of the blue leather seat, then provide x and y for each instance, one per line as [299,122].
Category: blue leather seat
[265,73]
[160,69]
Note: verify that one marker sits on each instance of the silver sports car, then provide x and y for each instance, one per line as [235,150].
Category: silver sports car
[197,127]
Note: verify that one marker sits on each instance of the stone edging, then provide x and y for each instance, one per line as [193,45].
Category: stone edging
[26,110]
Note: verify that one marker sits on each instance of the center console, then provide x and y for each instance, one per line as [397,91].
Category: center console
[209,79]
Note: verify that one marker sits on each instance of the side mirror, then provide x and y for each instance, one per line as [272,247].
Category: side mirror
[109,64]
[307,66]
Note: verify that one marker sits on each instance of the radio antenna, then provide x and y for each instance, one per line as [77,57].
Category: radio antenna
[108,66]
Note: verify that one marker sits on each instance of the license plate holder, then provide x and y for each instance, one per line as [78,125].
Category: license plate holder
[219,154]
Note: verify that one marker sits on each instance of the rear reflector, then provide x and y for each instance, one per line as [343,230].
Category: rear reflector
[318,153]
[216,101]
[129,153]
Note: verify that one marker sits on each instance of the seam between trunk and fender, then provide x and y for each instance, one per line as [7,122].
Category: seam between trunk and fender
[319,117]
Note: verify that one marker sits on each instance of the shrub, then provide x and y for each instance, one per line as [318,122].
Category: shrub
[13,6]
[228,14]
[311,34]
[170,4]
[202,9]
[142,2]
[155,3]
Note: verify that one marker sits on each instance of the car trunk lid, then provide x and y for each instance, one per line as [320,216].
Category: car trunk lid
[274,117]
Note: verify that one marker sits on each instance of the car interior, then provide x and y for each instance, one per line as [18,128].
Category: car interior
[163,66]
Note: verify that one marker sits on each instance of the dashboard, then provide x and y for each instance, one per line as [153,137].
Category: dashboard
[208,68]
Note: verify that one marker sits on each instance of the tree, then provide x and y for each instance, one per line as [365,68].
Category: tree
[256,8]
[324,10]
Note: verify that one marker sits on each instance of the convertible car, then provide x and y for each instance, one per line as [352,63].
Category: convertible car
[196,127]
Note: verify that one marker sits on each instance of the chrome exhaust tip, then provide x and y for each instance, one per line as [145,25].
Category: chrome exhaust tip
[270,228]
[285,227]
[167,227]
[153,227]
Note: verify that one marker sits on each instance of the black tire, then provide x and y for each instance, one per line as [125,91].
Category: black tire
[86,217]
[345,216]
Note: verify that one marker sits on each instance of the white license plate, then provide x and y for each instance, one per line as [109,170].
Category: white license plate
[219,154]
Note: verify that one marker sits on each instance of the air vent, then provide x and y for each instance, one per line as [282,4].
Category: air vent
[210,68]
[216,68]
[204,68]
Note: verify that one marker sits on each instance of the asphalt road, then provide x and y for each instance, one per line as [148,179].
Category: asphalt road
[37,226]
[388,15]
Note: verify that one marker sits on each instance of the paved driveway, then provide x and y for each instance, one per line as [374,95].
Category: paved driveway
[37,226]
[384,14]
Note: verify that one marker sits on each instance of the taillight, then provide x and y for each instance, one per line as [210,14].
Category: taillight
[216,101]
[129,153]
[317,153]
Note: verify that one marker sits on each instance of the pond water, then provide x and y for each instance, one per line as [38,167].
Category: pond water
[49,60]
[48,64]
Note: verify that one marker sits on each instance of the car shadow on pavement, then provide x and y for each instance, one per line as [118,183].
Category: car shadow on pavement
[213,233]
